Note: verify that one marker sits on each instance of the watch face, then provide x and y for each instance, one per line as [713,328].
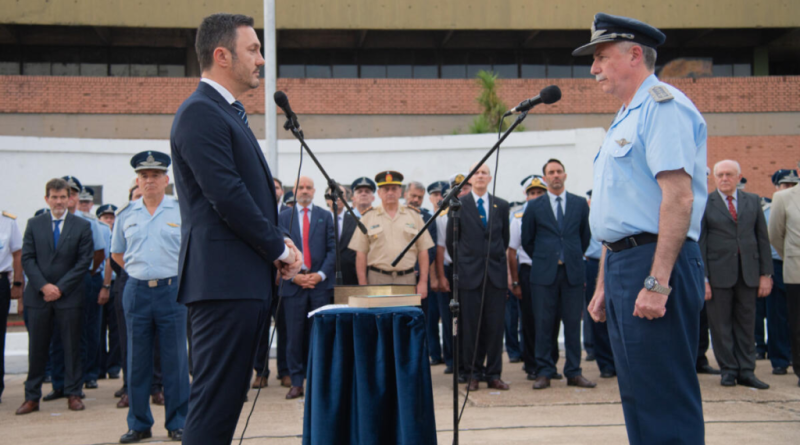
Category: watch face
[649,283]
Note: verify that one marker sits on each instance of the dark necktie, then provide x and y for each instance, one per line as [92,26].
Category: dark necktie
[239,107]
[482,212]
[306,250]
[560,219]
[56,233]
[732,209]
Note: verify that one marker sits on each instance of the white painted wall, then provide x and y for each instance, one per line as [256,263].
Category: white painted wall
[29,162]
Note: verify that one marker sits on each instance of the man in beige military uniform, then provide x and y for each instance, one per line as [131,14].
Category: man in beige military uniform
[390,227]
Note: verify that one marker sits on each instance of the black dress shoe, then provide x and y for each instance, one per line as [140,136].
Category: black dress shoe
[779,371]
[608,374]
[436,362]
[118,393]
[589,358]
[728,380]
[557,376]
[532,376]
[514,359]
[462,378]
[91,384]
[54,395]
[113,376]
[133,436]
[176,435]
[707,369]
[761,355]
[448,370]
[48,379]
[752,382]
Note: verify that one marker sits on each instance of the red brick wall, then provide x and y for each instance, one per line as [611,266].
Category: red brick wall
[117,95]
[759,156]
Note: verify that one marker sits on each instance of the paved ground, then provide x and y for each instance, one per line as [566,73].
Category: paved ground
[559,415]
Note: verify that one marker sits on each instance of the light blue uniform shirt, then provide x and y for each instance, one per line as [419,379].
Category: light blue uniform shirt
[97,236]
[106,232]
[150,243]
[775,255]
[645,139]
[594,250]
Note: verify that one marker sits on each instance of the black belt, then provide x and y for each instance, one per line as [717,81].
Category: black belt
[632,241]
[394,274]
[5,274]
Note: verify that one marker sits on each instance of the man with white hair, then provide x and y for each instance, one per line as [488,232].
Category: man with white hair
[736,252]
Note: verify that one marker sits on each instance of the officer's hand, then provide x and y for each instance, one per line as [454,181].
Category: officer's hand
[764,286]
[650,305]
[597,307]
[16,292]
[289,271]
[102,297]
[444,285]
[708,292]
[50,292]
[313,279]
[434,282]
[517,291]
[422,289]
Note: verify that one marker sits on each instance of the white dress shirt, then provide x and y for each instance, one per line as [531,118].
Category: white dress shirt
[735,199]
[485,198]
[554,204]
[53,220]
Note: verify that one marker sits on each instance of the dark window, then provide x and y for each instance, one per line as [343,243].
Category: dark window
[454,65]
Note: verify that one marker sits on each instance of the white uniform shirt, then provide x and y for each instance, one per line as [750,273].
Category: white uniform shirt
[10,242]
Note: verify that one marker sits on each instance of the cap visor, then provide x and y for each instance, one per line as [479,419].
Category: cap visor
[138,169]
[585,50]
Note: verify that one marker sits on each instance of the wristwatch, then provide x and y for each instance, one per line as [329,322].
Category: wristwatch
[106,286]
[651,284]
[515,284]
[17,284]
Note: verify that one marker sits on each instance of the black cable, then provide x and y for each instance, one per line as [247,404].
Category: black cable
[277,311]
[485,272]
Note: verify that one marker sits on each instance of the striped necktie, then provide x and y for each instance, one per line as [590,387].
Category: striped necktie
[239,107]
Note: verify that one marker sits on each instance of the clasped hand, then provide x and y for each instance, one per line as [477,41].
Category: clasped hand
[290,266]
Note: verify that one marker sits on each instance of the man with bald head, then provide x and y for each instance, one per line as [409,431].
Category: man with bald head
[735,246]
[312,231]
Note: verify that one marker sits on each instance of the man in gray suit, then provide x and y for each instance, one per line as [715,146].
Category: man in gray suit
[56,252]
[738,265]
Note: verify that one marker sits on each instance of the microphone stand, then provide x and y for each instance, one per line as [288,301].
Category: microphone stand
[335,192]
[452,202]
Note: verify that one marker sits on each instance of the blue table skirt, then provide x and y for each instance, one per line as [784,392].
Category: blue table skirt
[369,379]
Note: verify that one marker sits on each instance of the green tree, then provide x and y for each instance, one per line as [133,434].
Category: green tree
[492,107]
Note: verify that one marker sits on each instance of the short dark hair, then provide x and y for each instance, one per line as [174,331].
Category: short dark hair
[55,184]
[549,161]
[280,183]
[215,31]
[130,193]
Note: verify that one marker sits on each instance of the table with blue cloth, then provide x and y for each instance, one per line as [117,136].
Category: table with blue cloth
[369,379]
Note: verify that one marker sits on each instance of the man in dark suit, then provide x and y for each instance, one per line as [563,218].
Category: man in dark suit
[312,288]
[555,234]
[734,242]
[346,226]
[56,252]
[231,246]
[480,213]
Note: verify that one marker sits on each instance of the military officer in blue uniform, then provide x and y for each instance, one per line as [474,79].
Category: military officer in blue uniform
[364,189]
[146,243]
[109,359]
[649,195]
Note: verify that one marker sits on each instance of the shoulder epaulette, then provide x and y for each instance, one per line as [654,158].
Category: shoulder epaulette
[519,215]
[367,211]
[660,93]
[9,215]
[123,207]
[413,208]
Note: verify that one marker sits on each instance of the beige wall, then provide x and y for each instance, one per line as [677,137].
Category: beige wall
[407,14]
[363,126]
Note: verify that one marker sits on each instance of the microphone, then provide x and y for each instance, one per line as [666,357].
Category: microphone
[283,102]
[547,96]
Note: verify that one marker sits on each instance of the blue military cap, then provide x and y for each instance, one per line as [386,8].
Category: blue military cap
[105,209]
[40,211]
[785,176]
[288,197]
[533,181]
[589,194]
[364,182]
[438,187]
[613,28]
[87,194]
[73,183]
[150,160]
[741,183]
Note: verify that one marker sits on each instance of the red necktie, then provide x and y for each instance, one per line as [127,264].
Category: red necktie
[306,250]
[732,209]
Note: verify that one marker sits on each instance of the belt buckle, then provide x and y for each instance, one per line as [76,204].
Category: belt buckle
[152,283]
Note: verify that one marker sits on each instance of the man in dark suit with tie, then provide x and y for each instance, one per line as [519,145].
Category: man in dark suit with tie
[480,213]
[56,252]
[312,229]
[555,234]
[346,226]
[231,245]
[734,242]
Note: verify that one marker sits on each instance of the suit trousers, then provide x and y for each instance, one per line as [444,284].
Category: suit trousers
[447,320]
[655,359]
[5,303]
[793,306]
[760,333]
[225,336]
[529,323]
[731,319]
[42,322]
[298,328]
[512,334]
[779,337]
[702,345]
[261,364]
[92,320]
[490,339]
[434,341]
[602,344]
[547,301]
[109,358]
[152,312]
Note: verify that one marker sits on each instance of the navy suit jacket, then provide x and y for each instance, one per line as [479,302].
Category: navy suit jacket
[65,266]
[320,242]
[229,230]
[543,241]
[347,256]
[472,245]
